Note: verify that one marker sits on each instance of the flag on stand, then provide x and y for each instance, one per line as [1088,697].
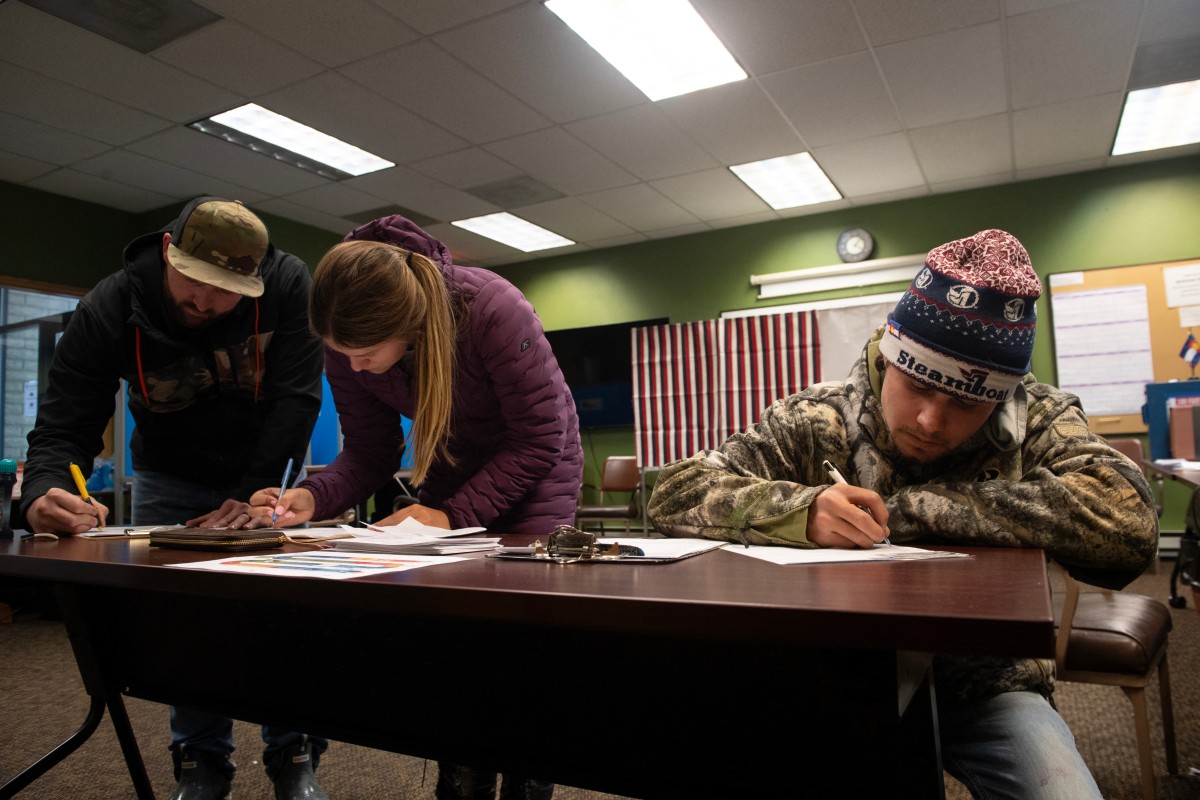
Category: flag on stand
[1191,351]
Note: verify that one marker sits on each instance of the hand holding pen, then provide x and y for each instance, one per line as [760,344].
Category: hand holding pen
[846,516]
[287,475]
[81,484]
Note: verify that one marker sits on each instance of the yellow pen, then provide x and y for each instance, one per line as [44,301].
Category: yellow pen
[81,484]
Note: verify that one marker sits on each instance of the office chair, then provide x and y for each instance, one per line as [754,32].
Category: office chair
[620,475]
[1119,639]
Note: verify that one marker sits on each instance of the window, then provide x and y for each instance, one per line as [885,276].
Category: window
[30,325]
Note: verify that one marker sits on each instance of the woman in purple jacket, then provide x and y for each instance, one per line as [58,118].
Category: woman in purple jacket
[495,439]
[461,352]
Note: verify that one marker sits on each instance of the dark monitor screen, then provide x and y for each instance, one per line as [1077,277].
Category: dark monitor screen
[598,367]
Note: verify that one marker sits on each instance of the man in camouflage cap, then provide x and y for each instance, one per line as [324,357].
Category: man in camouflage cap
[208,325]
[944,437]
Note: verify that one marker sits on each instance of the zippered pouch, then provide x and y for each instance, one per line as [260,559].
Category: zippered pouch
[217,539]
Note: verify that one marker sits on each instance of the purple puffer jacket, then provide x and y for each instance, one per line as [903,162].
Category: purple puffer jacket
[514,433]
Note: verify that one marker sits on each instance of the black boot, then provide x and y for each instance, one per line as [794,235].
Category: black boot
[200,778]
[294,778]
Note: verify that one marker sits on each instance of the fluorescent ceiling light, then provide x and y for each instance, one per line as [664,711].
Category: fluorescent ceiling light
[265,131]
[662,46]
[513,231]
[1163,116]
[788,181]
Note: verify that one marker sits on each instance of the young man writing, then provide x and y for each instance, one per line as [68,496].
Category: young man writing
[944,437]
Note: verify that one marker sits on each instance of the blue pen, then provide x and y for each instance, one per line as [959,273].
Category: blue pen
[287,474]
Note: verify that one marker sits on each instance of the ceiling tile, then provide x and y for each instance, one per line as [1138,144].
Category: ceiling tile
[463,169]
[342,108]
[835,101]
[870,166]
[736,123]
[712,194]
[640,207]
[282,207]
[18,169]
[68,108]
[82,186]
[335,199]
[573,219]
[413,190]
[889,21]
[35,140]
[1058,169]
[49,46]
[226,161]
[431,16]
[748,219]
[1071,51]
[967,149]
[241,60]
[162,178]
[560,160]
[1170,19]
[644,141]
[948,76]
[331,33]
[1170,61]
[426,80]
[533,54]
[1066,132]
[766,36]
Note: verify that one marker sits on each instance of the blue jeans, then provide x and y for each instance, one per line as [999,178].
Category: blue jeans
[1014,745]
[161,499]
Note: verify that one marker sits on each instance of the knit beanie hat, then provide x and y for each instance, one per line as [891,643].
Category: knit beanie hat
[966,323]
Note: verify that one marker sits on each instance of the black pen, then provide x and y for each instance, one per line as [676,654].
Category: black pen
[837,478]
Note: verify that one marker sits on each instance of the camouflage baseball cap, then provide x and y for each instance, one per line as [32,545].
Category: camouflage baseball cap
[221,243]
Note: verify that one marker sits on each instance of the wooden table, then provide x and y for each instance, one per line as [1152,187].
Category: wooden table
[651,680]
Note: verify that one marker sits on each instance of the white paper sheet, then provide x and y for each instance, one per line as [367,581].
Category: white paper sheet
[831,555]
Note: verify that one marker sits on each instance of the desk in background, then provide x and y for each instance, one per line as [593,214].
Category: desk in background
[650,680]
[1189,543]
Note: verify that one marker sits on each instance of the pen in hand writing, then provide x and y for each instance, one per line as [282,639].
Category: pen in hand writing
[837,478]
[81,484]
[287,474]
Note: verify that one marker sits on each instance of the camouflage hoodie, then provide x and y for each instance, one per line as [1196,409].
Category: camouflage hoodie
[1031,477]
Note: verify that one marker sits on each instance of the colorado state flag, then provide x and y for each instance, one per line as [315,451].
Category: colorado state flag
[1191,351]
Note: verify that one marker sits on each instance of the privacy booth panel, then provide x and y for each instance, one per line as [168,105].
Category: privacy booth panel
[695,383]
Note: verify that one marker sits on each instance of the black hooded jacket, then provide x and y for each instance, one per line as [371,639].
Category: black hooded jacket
[224,406]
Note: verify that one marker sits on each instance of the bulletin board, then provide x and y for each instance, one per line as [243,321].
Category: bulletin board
[1098,331]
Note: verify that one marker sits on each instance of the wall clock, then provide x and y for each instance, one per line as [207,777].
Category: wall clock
[855,244]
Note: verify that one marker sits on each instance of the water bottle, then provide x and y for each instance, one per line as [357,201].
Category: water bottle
[8,479]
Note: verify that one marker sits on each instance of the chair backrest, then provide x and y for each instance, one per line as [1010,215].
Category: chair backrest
[620,474]
[1131,448]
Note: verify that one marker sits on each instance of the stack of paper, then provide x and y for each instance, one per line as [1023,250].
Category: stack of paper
[412,538]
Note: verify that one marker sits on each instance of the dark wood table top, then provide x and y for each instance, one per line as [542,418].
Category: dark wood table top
[996,603]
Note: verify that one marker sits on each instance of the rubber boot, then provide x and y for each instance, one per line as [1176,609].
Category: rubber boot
[200,778]
[295,779]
